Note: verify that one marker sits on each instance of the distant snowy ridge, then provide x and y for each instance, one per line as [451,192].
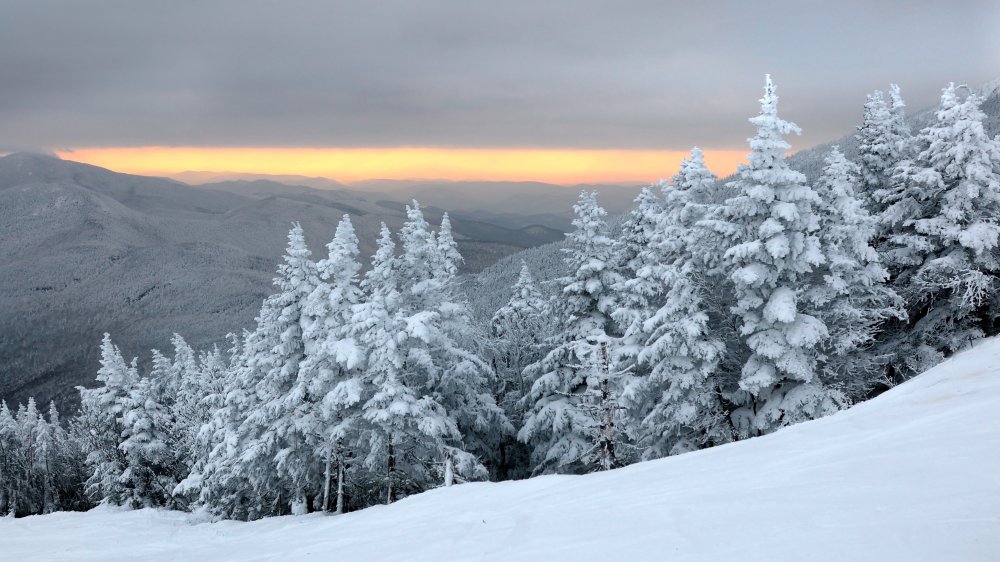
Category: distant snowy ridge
[905,476]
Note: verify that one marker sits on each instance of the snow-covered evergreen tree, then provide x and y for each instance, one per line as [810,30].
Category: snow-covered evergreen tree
[447,247]
[326,393]
[694,193]
[41,466]
[662,233]
[35,496]
[631,253]
[773,249]
[246,475]
[944,232]
[853,298]
[447,362]
[674,351]
[10,462]
[421,270]
[519,329]
[212,481]
[101,412]
[184,386]
[681,356]
[579,381]
[403,433]
[152,469]
[67,464]
[271,435]
[884,140]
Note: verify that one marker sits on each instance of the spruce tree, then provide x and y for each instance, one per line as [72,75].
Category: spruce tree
[10,461]
[519,330]
[151,468]
[632,262]
[327,391]
[446,361]
[884,141]
[448,248]
[773,248]
[942,249]
[271,440]
[403,433]
[250,472]
[574,400]
[677,353]
[853,298]
[102,426]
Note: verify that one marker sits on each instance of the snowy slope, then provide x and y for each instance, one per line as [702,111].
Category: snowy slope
[911,475]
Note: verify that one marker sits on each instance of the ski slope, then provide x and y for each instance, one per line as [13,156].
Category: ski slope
[911,475]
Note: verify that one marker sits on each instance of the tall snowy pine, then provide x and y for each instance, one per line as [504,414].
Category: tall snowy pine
[251,470]
[853,298]
[324,400]
[573,404]
[519,330]
[773,249]
[943,244]
[102,425]
[884,141]
[404,434]
[677,355]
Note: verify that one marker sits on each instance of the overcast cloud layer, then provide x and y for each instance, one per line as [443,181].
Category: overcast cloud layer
[661,75]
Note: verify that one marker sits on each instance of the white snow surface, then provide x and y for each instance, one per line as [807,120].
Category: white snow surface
[910,475]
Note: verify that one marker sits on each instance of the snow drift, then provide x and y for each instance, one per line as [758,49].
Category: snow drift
[910,475]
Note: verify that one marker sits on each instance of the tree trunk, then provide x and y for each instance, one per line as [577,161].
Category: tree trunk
[326,484]
[607,436]
[390,495]
[340,486]
[449,471]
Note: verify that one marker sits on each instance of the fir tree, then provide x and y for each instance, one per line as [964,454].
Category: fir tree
[251,471]
[151,468]
[10,461]
[853,298]
[883,142]
[448,248]
[942,250]
[101,411]
[579,381]
[403,433]
[519,330]
[773,249]
[326,393]
[677,356]
[632,252]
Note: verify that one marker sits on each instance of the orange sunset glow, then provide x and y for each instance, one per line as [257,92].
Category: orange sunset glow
[565,166]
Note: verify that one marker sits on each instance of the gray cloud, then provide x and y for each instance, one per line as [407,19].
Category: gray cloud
[556,73]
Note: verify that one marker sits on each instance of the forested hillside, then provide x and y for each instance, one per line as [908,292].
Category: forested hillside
[713,312]
[86,251]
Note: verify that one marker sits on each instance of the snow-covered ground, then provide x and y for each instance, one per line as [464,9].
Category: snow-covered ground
[911,475]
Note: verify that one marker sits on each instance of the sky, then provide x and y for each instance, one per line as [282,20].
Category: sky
[562,91]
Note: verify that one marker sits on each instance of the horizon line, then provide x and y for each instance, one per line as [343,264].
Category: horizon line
[562,166]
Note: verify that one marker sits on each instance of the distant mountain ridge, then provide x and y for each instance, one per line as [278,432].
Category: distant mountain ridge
[85,250]
[513,204]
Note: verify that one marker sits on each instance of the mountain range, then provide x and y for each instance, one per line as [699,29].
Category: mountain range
[85,250]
